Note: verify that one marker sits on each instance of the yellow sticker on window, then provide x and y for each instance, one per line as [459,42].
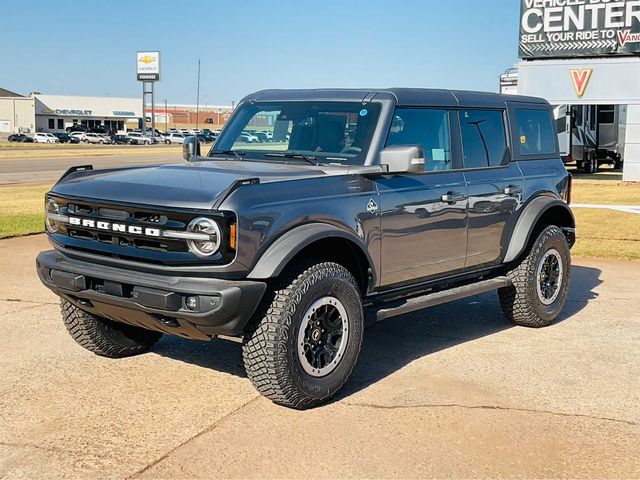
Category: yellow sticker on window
[523,139]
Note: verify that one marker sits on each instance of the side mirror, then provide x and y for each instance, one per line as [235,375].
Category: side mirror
[403,159]
[190,148]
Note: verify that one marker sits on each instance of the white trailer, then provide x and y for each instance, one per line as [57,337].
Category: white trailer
[591,135]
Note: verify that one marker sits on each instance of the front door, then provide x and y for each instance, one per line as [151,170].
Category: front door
[423,216]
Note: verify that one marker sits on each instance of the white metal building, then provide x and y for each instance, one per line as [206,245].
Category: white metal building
[17,113]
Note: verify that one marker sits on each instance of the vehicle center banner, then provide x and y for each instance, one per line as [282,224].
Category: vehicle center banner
[579,28]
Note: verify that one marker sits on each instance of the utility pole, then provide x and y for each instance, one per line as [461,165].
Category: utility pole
[198,97]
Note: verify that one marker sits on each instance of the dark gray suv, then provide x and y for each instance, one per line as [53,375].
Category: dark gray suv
[354,206]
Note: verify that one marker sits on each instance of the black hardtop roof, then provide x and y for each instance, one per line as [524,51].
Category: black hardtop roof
[402,96]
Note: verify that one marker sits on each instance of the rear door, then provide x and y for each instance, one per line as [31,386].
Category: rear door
[495,185]
[423,216]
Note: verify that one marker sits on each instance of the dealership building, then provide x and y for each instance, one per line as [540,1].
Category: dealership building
[55,113]
[584,54]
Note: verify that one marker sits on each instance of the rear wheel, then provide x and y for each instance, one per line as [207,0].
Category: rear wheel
[540,283]
[306,337]
[104,337]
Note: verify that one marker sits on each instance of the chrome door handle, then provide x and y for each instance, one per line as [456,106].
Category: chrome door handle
[512,190]
[452,197]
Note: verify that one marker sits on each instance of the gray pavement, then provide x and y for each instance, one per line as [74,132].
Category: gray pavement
[43,169]
[453,391]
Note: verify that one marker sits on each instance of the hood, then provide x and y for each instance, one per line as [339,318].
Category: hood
[194,185]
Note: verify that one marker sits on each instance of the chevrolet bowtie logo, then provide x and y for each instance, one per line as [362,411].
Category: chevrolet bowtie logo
[147,59]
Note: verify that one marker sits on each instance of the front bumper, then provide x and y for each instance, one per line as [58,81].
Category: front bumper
[153,301]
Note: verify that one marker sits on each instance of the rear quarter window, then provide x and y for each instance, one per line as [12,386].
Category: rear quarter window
[536,134]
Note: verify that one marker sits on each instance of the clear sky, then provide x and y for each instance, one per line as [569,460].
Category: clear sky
[88,47]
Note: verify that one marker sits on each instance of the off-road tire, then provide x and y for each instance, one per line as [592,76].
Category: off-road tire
[520,302]
[104,337]
[270,344]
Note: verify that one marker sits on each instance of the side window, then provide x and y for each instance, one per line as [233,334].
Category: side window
[483,138]
[607,114]
[535,131]
[426,127]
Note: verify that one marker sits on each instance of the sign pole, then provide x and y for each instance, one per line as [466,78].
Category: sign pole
[153,112]
[148,72]
[144,106]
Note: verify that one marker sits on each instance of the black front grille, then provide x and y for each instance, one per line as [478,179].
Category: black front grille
[133,246]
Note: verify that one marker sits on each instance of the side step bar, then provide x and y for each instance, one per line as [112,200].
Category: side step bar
[443,296]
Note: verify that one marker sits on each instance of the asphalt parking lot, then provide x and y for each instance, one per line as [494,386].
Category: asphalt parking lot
[42,168]
[453,391]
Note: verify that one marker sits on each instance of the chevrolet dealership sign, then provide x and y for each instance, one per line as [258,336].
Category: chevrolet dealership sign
[148,66]
[579,28]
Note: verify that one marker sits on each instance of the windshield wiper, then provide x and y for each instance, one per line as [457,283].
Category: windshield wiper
[235,153]
[306,158]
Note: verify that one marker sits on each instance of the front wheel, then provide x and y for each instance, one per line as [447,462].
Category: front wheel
[540,283]
[306,337]
[104,337]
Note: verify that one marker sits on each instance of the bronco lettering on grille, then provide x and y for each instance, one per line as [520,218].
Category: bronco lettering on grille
[114,227]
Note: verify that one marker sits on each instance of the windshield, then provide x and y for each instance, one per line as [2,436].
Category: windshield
[337,133]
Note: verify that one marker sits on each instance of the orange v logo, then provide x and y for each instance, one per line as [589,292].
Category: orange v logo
[581,79]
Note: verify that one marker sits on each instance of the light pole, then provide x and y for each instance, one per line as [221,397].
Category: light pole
[166,118]
[198,97]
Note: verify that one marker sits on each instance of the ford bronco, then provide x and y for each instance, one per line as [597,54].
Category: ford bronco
[353,207]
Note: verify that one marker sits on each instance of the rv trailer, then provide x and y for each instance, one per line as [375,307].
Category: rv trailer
[591,135]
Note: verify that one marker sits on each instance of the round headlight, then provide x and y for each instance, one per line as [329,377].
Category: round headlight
[207,246]
[51,207]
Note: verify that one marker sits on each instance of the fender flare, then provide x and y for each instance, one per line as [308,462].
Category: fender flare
[527,221]
[280,252]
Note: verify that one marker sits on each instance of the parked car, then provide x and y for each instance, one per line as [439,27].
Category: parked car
[99,129]
[174,138]
[66,138]
[184,131]
[79,136]
[76,128]
[209,132]
[91,137]
[246,137]
[42,137]
[204,138]
[172,130]
[119,139]
[20,138]
[291,250]
[136,138]
[261,136]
